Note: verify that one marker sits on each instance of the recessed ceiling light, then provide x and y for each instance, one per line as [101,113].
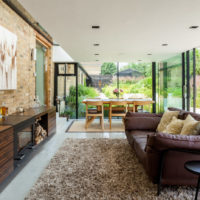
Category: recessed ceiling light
[95,27]
[194,27]
[149,54]
[164,45]
[96,54]
[96,44]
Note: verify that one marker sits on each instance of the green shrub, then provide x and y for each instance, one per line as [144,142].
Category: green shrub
[83,93]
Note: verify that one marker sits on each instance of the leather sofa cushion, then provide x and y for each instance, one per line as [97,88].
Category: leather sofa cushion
[139,146]
[140,114]
[183,114]
[194,115]
[131,135]
[174,109]
[141,123]
[180,115]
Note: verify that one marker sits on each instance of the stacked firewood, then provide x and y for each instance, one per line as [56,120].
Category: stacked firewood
[40,132]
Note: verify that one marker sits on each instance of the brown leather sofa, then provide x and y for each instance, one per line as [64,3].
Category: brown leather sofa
[162,155]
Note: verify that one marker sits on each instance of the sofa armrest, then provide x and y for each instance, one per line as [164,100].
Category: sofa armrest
[141,123]
[169,153]
[166,155]
[164,141]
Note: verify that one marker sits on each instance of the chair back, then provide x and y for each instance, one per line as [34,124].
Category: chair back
[119,103]
[98,104]
[94,103]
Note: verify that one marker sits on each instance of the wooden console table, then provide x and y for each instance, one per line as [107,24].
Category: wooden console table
[12,124]
[6,151]
[49,112]
[18,123]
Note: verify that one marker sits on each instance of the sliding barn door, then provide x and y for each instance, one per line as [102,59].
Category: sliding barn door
[40,73]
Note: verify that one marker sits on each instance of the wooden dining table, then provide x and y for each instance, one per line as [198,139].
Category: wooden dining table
[132,104]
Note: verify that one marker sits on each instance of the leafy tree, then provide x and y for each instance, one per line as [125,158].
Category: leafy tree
[108,68]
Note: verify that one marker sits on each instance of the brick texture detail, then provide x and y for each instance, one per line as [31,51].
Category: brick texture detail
[26,41]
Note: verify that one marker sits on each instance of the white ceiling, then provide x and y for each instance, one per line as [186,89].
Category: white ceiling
[60,55]
[130,29]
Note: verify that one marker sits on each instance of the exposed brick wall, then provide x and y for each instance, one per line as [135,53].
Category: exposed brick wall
[26,40]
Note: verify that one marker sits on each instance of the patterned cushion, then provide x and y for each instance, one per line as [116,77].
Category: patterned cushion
[166,119]
[191,126]
[175,126]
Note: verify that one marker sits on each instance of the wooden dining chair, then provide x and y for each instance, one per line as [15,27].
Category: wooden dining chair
[117,109]
[142,104]
[130,106]
[91,114]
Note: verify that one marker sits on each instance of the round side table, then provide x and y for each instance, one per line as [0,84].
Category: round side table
[194,167]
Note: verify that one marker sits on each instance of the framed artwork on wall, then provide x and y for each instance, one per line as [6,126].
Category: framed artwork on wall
[8,54]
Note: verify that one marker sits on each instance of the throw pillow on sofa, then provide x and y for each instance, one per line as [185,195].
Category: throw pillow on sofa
[191,126]
[175,126]
[166,119]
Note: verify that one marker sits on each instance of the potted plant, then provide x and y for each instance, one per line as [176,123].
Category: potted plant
[68,114]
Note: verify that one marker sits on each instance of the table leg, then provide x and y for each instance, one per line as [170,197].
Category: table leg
[102,123]
[197,189]
[136,108]
[86,119]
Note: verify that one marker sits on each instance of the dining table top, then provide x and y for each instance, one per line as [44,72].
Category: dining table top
[131,100]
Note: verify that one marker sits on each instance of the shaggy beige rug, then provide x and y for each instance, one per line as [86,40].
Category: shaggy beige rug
[99,169]
[95,127]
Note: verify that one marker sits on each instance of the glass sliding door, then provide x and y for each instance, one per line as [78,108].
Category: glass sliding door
[72,85]
[197,80]
[192,84]
[194,80]
[169,89]
[40,73]
[191,77]
[65,89]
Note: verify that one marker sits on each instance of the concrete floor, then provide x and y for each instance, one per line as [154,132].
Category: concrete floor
[19,187]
